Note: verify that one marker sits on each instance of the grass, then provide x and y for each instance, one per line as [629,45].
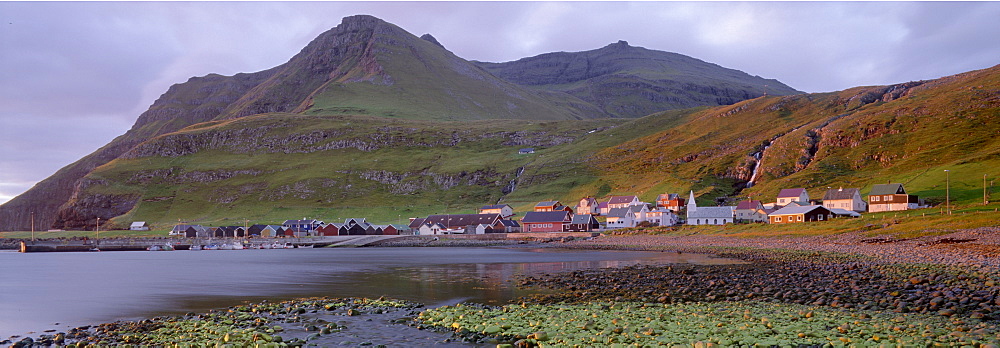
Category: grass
[899,224]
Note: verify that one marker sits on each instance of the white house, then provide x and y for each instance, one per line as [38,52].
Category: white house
[708,215]
[640,211]
[587,205]
[662,217]
[847,199]
[751,211]
[620,218]
[139,226]
[787,196]
[504,210]
[623,201]
[437,228]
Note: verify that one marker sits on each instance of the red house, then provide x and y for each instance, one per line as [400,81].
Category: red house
[671,201]
[547,221]
[328,230]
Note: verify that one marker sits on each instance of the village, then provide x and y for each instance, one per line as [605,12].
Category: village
[590,215]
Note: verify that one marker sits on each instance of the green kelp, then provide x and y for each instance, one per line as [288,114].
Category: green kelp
[705,324]
[259,324]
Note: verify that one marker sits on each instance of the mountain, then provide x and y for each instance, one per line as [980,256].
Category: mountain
[270,167]
[364,68]
[628,81]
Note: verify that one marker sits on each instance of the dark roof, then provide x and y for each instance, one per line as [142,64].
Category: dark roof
[184,227]
[620,212]
[300,222]
[621,199]
[749,205]
[840,193]
[547,204]
[546,216]
[580,219]
[510,223]
[887,189]
[461,220]
[668,196]
[415,223]
[795,192]
[495,206]
[795,210]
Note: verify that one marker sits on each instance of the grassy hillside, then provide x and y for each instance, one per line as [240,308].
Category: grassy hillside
[908,133]
[272,167]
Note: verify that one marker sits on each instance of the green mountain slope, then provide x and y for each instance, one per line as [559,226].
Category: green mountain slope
[908,133]
[627,81]
[271,167]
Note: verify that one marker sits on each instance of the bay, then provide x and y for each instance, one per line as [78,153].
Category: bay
[59,291]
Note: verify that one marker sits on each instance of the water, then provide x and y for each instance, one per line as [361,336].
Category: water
[59,291]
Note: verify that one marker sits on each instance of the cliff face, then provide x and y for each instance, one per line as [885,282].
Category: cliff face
[628,81]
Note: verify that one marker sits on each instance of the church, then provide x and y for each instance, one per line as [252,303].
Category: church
[708,215]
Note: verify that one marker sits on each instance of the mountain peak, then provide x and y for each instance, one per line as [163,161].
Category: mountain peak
[431,39]
[621,44]
[360,21]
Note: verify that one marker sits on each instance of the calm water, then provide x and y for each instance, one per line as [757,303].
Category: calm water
[45,291]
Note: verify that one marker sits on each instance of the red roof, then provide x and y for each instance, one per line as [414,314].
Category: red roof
[749,205]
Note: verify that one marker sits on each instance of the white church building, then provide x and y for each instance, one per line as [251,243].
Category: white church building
[708,215]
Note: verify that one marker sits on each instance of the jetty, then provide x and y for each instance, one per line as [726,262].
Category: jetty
[141,244]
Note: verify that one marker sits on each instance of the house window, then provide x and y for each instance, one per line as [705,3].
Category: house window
[875,198]
[820,217]
[777,219]
[887,198]
[798,218]
[715,221]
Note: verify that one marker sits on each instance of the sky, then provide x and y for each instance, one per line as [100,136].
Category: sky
[75,75]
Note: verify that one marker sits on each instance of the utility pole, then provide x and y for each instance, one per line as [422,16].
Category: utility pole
[947,190]
[33,223]
[98,228]
[985,201]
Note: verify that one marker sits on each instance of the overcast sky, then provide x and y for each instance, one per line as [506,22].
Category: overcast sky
[74,75]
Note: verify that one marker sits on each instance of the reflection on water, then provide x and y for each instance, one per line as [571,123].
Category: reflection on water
[41,289]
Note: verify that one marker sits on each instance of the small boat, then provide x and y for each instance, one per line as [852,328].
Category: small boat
[238,246]
[154,248]
[168,247]
[226,246]
[307,246]
[210,247]
[195,247]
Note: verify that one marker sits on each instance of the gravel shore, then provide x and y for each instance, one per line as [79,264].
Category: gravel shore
[977,248]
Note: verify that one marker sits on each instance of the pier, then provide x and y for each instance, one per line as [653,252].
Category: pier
[142,244]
